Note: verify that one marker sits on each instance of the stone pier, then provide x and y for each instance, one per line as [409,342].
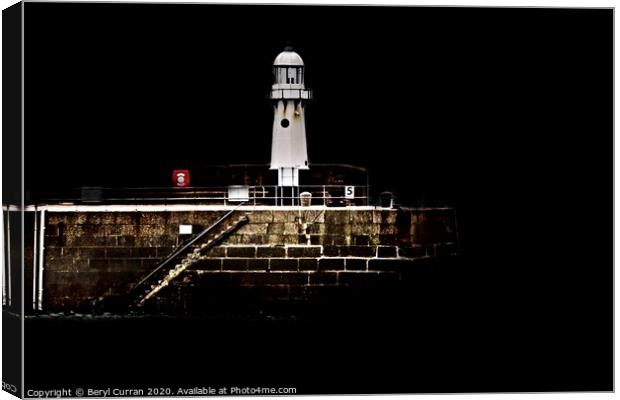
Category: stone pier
[281,254]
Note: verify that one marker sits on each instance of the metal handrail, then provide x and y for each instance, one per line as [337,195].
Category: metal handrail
[186,246]
[256,194]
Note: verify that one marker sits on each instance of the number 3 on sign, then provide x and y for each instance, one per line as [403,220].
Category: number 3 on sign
[349,192]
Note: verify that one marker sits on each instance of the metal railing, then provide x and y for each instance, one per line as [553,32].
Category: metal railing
[325,195]
[185,247]
[277,94]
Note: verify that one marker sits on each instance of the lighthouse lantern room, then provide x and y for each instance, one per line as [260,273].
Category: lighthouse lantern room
[288,148]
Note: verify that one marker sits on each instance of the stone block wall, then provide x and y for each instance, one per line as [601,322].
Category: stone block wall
[90,253]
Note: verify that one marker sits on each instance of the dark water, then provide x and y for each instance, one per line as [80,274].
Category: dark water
[438,335]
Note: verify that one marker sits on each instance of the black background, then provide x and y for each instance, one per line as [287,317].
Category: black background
[505,114]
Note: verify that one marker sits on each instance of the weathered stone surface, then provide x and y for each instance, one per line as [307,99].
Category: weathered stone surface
[308,264]
[235,264]
[127,218]
[206,219]
[337,217]
[137,230]
[59,264]
[303,251]
[164,252]
[386,251]
[156,241]
[358,251]
[285,216]
[412,252]
[150,218]
[335,240]
[361,240]
[210,264]
[112,246]
[261,217]
[119,252]
[258,264]
[241,251]
[276,228]
[73,231]
[317,229]
[148,263]
[292,239]
[270,251]
[235,239]
[364,229]
[93,230]
[111,264]
[291,228]
[316,240]
[217,251]
[253,239]
[338,229]
[127,240]
[283,264]
[331,264]
[54,252]
[87,252]
[387,229]
[68,278]
[254,229]
[79,219]
[83,263]
[182,217]
[54,241]
[314,216]
[388,240]
[114,240]
[54,218]
[51,230]
[384,216]
[361,218]
[87,241]
[331,251]
[356,264]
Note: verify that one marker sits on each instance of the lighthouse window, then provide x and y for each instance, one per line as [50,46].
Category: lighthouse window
[285,123]
[291,75]
[281,75]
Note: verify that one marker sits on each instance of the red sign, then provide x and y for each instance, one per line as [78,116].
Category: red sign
[180,178]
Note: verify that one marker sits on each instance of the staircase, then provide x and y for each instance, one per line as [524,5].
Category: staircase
[161,276]
[123,295]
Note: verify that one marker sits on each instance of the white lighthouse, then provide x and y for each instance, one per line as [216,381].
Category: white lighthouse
[289,153]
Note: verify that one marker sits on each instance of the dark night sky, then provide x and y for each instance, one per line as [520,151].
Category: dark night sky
[438,103]
[504,113]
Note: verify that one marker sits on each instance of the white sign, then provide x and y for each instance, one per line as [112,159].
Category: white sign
[349,192]
[238,193]
[185,229]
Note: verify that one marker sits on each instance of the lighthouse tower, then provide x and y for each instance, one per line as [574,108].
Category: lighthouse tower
[289,95]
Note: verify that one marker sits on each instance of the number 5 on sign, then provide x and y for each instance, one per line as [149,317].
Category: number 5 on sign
[349,192]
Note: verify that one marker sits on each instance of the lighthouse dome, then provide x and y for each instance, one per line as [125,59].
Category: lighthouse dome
[288,58]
